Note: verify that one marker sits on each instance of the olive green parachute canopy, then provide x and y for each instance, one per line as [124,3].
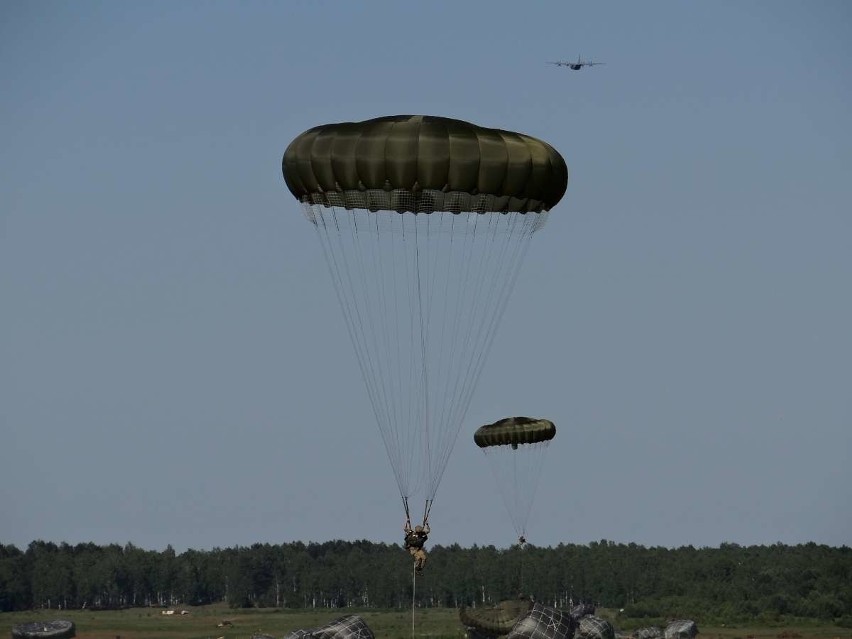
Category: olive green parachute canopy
[422,164]
[498,620]
[514,431]
[515,448]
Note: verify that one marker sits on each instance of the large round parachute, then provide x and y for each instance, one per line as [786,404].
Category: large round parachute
[424,164]
[515,449]
[424,222]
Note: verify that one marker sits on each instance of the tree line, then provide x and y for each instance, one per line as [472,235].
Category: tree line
[730,582]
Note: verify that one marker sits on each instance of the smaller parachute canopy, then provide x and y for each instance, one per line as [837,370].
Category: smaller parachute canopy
[514,431]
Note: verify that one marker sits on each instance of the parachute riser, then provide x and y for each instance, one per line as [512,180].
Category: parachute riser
[427,508]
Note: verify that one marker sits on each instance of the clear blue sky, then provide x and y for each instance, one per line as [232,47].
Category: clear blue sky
[174,368]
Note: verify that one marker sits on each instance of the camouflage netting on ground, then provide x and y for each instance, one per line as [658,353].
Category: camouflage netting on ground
[475,633]
[581,610]
[543,622]
[496,621]
[651,632]
[298,634]
[681,629]
[591,627]
[349,627]
[58,629]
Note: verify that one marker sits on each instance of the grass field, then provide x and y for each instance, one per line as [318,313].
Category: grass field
[434,623]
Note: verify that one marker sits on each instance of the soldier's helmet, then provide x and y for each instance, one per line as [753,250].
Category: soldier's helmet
[418,529]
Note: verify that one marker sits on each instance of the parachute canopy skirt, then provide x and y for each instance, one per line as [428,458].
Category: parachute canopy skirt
[424,222]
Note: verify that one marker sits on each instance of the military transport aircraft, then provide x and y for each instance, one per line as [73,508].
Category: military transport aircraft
[576,66]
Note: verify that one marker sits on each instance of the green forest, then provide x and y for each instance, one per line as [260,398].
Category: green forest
[728,583]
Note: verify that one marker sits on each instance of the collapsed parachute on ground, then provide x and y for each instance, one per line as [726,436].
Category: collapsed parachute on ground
[543,622]
[348,627]
[581,610]
[496,621]
[424,222]
[591,627]
[681,629]
[515,449]
[58,629]
[649,632]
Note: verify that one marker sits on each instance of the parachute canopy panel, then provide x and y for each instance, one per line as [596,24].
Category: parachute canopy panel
[423,164]
[514,431]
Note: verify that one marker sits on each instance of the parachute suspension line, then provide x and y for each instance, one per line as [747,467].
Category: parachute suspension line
[389,307]
[426,510]
[344,246]
[485,303]
[521,524]
[384,276]
[386,316]
[407,513]
[460,334]
[411,331]
[479,309]
[341,276]
[517,473]
[514,249]
[422,295]
[424,338]
[449,290]
[369,258]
